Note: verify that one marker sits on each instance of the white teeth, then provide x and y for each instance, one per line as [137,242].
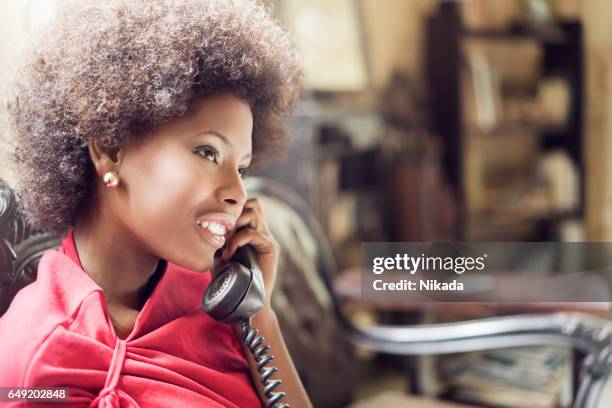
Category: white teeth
[216,228]
[213,227]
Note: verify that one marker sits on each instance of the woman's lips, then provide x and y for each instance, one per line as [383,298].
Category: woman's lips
[215,240]
[215,226]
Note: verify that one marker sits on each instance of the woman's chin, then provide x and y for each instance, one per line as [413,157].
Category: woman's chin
[200,264]
[196,256]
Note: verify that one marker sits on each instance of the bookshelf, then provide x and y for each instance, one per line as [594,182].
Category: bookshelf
[501,134]
[482,126]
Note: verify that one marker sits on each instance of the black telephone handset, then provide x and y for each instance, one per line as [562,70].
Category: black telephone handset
[236,293]
[237,289]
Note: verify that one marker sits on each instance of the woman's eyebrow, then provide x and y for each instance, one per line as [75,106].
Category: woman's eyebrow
[224,139]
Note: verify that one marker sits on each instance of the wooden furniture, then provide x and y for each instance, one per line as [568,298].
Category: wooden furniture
[561,48]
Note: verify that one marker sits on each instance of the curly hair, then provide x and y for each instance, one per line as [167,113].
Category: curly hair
[116,69]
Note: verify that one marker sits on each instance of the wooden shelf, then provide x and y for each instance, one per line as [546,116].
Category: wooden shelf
[509,129]
[549,34]
[561,49]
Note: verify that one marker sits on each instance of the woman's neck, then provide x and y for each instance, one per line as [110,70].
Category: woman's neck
[112,257]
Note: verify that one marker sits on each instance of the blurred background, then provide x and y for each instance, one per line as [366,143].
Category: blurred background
[430,120]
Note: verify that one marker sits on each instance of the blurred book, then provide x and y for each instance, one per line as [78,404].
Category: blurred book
[560,175]
[530,377]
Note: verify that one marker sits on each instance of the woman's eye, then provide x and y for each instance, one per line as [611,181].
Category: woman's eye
[242,172]
[208,153]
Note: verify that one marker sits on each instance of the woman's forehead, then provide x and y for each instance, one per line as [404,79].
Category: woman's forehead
[223,117]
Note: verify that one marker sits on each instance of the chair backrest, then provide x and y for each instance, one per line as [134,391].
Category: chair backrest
[20,248]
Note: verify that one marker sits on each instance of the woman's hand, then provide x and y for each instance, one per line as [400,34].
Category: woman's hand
[257,234]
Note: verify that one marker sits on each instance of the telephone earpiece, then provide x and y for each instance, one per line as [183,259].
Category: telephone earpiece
[237,290]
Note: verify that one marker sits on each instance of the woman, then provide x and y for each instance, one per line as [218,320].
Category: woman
[133,123]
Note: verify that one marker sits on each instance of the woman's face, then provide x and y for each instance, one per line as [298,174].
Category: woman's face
[181,188]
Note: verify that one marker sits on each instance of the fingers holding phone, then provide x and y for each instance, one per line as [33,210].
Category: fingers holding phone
[252,229]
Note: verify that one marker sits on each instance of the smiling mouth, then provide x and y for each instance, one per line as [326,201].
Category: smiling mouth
[213,233]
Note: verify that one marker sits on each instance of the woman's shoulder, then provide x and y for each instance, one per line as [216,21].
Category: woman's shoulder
[36,311]
[59,289]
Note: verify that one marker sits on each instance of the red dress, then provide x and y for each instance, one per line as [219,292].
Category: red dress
[57,332]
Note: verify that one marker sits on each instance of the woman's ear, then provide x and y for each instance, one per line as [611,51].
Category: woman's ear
[102,159]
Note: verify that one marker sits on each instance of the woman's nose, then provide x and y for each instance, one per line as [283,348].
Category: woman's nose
[233,192]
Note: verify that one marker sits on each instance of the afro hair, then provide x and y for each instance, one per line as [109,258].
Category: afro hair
[115,69]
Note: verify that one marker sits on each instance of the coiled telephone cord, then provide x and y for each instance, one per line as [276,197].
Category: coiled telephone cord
[259,350]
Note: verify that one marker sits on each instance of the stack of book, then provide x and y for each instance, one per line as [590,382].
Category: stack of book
[534,377]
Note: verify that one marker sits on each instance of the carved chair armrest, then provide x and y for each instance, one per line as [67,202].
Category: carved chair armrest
[21,247]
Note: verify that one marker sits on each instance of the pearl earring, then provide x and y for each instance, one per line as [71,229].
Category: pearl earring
[111,179]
